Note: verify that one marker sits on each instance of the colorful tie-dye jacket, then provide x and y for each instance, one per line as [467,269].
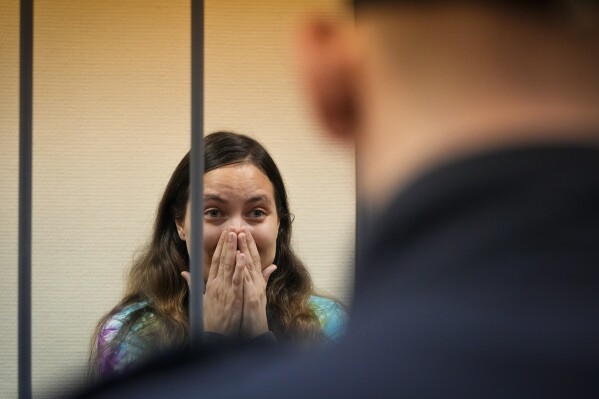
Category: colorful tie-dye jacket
[332,318]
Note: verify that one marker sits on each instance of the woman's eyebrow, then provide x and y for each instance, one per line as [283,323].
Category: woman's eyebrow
[259,198]
[214,197]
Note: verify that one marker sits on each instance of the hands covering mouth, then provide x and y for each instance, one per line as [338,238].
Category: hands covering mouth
[235,295]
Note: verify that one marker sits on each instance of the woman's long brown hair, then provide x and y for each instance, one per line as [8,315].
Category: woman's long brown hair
[155,276]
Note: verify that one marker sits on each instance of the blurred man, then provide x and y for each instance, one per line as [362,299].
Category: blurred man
[477,129]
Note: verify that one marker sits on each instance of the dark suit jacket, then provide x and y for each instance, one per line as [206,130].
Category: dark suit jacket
[481,279]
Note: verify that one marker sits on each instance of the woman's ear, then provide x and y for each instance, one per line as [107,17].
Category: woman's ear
[180,229]
[326,60]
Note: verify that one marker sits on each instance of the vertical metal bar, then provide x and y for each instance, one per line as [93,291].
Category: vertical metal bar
[25,163]
[197,170]
[360,217]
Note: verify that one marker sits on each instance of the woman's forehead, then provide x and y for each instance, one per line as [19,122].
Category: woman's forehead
[239,181]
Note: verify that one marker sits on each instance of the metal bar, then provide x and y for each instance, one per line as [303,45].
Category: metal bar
[25,163]
[360,217]
[197,171]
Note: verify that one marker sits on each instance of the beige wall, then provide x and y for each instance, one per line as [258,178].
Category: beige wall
[111,121]
[9,127]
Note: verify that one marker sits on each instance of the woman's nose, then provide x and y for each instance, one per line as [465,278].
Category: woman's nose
[236,224]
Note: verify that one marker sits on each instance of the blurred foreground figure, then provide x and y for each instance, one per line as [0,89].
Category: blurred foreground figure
[477,129]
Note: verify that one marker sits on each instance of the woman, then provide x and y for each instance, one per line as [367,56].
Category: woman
[255,284]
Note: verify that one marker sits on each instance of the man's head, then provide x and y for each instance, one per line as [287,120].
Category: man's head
[416,82]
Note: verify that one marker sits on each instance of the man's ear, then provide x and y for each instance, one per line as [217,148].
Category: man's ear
[326,60]
[180,229]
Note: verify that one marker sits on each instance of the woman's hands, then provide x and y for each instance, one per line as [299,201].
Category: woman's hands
[254,322]
[235,297]
[223,299]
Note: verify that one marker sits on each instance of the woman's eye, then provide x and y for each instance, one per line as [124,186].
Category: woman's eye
[257,213]
[212,213]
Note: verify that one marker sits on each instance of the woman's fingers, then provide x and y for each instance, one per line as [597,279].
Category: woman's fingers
[217,254]
[240,269]
[244,248]
[253,250]
[187,278]
[254,321]
[228,260]
[248,247]
[223,301]
[249,289]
